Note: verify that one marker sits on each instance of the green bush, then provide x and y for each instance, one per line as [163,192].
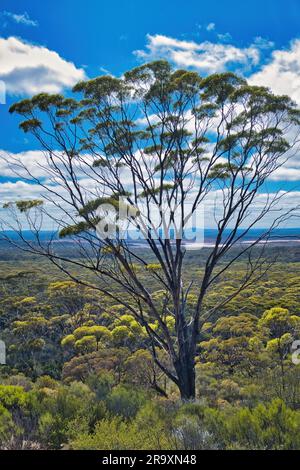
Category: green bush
[125,402]
[266,427]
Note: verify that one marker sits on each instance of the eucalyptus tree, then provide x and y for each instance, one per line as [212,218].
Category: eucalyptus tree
[163,139]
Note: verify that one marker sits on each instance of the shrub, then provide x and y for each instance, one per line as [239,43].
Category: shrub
[125,402]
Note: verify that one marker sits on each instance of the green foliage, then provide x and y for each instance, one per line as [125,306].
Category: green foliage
[266,427]
[279,321]
[112,434]
[153,267]
[75,229]
[125,402]
[26,205]
[12,397]
[56,394]
[7,427]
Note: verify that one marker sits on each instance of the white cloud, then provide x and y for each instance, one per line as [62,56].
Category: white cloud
[21,190]
[210,27]
[263,43]
[282,73]
[286,174]
[286,201]
[28,69]
[290,169]
[11,191]
[35,164]
[213,202]
[207,57]
[22,18]
[31,159]
[226,37]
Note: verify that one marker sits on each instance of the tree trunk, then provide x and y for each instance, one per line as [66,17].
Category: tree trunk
[185,369]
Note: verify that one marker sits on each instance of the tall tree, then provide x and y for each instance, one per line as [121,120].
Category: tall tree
[165,139]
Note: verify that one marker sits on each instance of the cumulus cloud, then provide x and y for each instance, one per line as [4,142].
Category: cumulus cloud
[22,18]
[13,190]
[207,57]
[282,72]
[18,188]
[290,169]
[33,160]
[28,69]
[33,165]
[286,174]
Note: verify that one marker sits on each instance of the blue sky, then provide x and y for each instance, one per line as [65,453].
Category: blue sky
[98,35]
[48,46]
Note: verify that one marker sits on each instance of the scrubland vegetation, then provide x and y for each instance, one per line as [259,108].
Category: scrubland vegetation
[80,374]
